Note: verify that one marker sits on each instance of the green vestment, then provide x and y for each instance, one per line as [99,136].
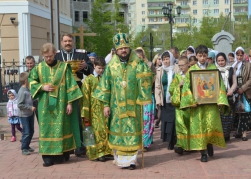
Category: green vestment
[58,132]
[182,116]
[205,121]
[93,109]
[125,121]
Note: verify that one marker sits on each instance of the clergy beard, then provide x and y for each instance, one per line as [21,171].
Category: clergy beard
[125,58]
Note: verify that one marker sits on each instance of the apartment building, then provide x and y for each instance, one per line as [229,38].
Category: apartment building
[25,25]
[192,12]
[81,10]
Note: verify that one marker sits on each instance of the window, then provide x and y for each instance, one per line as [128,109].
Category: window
[84,0]
[142,5]
[160,19]
[194,3]
[76,16]
[226,1]
[195,11]
[216,1]
[109,1]
[216,11]
[143,12]
[184,12]
[151,19]
[129,22]
[195,21]
[143,19]
[205,11]
[129,14]
[85,15]
[183,3]
[151,12]
[205,2]
[226,11]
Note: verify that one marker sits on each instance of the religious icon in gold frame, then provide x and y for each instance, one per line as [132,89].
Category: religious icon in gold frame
[205,85]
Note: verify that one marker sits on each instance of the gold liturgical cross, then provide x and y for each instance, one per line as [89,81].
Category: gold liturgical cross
[81,35]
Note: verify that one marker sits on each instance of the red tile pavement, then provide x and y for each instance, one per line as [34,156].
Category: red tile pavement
[231,163]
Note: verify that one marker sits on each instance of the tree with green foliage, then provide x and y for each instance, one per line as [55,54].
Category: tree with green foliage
[103,20]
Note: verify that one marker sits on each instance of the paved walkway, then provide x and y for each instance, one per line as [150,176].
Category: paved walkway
[231,162]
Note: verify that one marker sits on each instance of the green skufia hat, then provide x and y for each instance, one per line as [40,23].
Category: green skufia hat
[121,40]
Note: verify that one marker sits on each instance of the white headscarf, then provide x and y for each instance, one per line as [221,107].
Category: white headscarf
[193,50]
[224,73]
[170,71]
[14,93]
[239,64]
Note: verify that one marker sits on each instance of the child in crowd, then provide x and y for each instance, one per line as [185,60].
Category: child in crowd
[182,116]
[204,120]
[26,113]
[192,60]
[92,112]
[12,112]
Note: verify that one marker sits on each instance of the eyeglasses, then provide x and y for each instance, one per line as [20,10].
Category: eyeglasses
[181,65]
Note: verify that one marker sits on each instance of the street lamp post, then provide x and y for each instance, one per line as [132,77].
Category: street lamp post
[167,11]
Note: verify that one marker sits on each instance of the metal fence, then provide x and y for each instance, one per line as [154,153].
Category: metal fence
[9,77]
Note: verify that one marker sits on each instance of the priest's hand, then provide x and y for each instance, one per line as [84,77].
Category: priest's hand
[107,111]
[82,65]
[48,88]
[69,109]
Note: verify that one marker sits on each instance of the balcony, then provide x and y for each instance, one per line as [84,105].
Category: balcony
[240,5]
[155,15]
[185,6]
[240,13]
[155,8]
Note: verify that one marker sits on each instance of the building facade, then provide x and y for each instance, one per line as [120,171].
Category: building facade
[25,25]
[81,10]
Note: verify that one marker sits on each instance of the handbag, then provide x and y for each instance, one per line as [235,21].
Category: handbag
[239,107]
[246,104]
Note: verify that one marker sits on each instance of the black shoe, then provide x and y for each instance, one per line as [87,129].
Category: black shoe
[210,150]
[132,167]
[156,125]
[80,151]
[47,164]
[109,157]
[236,135]
[203,158]
[178,150]
[102,159]
[227,138]
[67,157]
[244,139]
[170,146]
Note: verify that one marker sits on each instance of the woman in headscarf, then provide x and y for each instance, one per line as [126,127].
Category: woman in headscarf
[229,79]
[163,80]
[157,63]
[231,58]
[190,51]
[243,74]
[148,109]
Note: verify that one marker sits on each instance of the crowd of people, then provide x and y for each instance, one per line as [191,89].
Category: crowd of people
[125,97]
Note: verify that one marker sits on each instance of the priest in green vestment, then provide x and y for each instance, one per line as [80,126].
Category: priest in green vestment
[53,84]
[205,122]
[124,88]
